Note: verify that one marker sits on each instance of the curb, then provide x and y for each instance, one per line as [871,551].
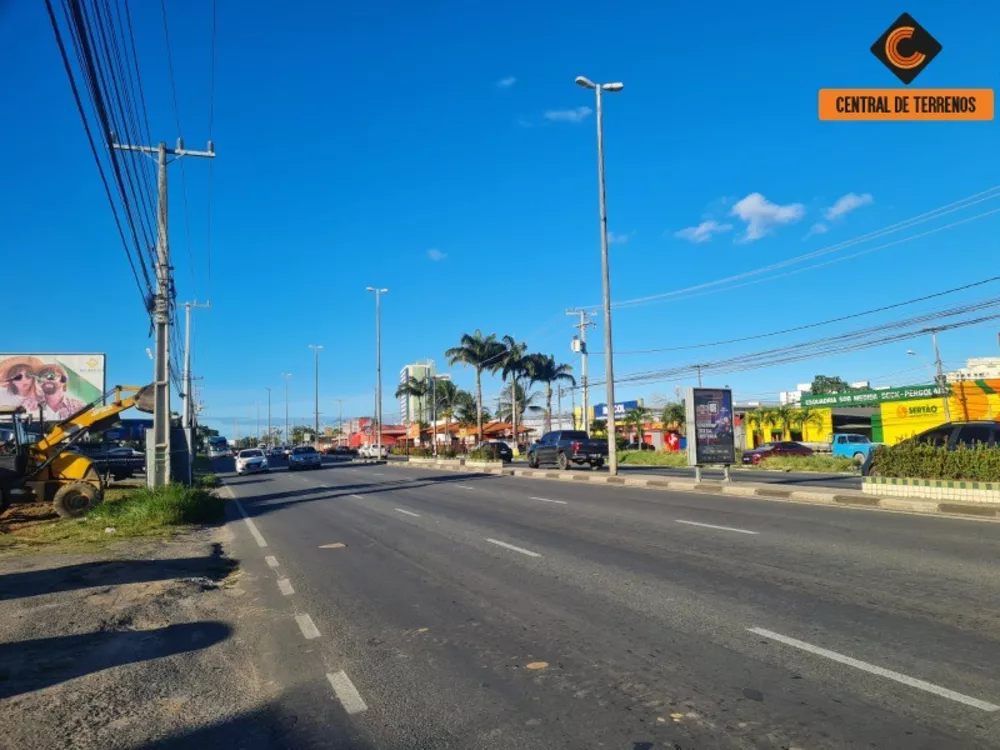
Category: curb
[762,491]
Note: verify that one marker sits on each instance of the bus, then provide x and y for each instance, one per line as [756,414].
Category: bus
[217,447]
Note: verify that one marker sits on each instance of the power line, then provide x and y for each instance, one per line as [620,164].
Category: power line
[211,138]
[784,331]
[971,200]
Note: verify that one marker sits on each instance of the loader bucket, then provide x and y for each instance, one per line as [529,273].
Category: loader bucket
[145,399]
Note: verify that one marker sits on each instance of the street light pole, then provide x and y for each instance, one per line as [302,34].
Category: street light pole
[288,435]
[316,349]
[270,434]
[609,367]
[378,363]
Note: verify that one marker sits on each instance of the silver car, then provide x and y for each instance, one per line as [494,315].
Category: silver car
[251,460]
[304,457]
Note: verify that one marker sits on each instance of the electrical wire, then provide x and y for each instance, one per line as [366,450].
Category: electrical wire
[211,138]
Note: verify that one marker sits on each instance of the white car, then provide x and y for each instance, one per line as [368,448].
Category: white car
[251,461]
[371,451]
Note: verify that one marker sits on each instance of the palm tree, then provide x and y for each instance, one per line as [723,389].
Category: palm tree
[755,420]
[465,410]
[418,388]
[481,353]
[675,413]
[806,415]
[784,416]
[445,395]
[637,419]
[525,402]
[514,363]
[542,368]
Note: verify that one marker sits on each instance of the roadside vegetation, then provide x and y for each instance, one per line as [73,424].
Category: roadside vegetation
[653,458]
[922,461]
[818,462]
[131,512]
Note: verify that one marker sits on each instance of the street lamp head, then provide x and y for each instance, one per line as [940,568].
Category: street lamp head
[585,82]
[369,289]
[373,289]
[911,352]
[612,86]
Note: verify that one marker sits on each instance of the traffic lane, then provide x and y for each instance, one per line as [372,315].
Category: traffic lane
[808,479]
[972,540]
[414,644]
[866,589]
[642,640]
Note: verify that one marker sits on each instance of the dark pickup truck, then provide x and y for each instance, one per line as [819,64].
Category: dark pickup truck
[565,447]
[119,463]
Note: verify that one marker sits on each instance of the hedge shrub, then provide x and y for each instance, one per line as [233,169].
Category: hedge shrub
[922,461]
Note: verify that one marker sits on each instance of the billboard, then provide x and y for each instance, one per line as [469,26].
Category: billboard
[57,385]
[710,426]
[621,407]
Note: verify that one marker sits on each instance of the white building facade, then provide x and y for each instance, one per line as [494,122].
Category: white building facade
[413,408]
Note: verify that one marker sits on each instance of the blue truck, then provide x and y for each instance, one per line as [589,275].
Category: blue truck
[849,445]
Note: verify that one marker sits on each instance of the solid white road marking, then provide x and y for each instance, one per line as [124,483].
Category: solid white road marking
[307,627]
[523,551]
[251,525]
[272,562]
[871,668]
[546,500]
[285,586]
[345,691]
[407,512]
[377,474]
[713,526]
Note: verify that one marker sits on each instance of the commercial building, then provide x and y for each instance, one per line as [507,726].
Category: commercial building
[414,408]
[976,368]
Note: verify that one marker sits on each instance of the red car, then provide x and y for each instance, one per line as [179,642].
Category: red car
[767,450]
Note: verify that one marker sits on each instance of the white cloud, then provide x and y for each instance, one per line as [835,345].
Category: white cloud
[847,203]
[703,232]
[506,83]
[619,239]
[761,215]
[817,228]
[568,115]
[436,255]
[523,122]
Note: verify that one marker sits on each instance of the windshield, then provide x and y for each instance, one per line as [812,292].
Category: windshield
[252,453]
[303,449]
[857,439]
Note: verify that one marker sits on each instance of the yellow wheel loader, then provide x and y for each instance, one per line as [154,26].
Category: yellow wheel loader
[49,469]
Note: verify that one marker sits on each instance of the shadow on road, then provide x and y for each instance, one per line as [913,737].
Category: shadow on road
[44,662]
[112,573]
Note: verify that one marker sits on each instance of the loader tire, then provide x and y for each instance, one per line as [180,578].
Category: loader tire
[75,499]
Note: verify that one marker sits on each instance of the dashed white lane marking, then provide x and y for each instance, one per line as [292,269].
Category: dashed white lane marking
[307,627]
[251,525]
[272,562]
[720,528]
[407,512]
[346,693]
[377,474]
[523,551]
[872,669]
[357,496]
[285,586]
[464,487]
[547,500]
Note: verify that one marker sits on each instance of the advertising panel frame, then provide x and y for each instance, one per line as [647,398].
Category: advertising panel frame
[710,427]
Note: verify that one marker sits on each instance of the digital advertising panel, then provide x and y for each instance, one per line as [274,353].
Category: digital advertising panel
[711,439]
[57,385]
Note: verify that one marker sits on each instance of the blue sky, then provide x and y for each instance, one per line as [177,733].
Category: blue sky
[440,150]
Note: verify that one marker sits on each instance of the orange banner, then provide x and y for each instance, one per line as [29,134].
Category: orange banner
[905,104]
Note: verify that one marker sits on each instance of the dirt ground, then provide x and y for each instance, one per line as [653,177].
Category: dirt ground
[130,647]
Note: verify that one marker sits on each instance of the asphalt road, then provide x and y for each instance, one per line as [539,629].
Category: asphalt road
[475,611]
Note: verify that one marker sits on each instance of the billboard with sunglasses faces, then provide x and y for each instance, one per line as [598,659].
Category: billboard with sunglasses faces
[55,385]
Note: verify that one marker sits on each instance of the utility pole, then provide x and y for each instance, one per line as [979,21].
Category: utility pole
[188,416]
[316,349]
[257,402]
[559,406]
[340,420]
[378,362]
[160,475]
[580,344]
[942,381]
[270,434]
[698,367]
[236,432]
[288,435]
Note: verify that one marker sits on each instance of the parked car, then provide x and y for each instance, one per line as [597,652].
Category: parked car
[496,450]
[372,451]
[251,461]
[639,447]
[770,450]
[566,447]
[847,445]
[304,457]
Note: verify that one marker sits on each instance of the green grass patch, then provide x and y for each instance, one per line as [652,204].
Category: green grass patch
[131,512]
[818,463]
[653,458]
